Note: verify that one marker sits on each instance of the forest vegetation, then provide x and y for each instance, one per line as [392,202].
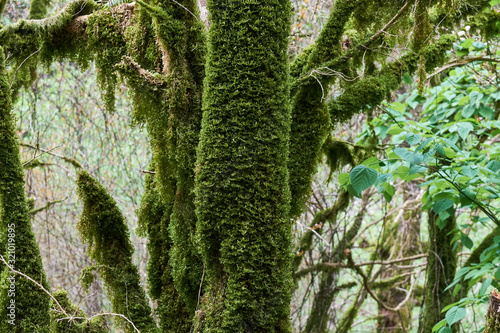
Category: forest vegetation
[249,166]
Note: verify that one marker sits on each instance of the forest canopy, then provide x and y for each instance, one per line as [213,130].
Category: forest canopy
[249,166]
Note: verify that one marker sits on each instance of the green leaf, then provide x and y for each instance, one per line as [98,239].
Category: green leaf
[445,329]
[470,171]
[439,325]
[468,111]
[486,112]
[351,190]
[485,286]
[493,165]
[467,43]
[371,161]
[464,129]
[398,107]
[343,178]
[494,2]
[442,205]
[362,177]
[456,289]
[466,241]
[413,139]
[404,154]
[389,191]
[455,314]
[478,45]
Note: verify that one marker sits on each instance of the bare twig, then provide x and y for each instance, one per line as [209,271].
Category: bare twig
[37,284]
[70,160]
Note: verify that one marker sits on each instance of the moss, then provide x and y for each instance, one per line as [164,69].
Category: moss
[32,305]
[310,119]
[62,324]
[38,9]
[441,267]
[154,218]
[173,116]
[242,179]
[108,47]
[3,3]
[104,229]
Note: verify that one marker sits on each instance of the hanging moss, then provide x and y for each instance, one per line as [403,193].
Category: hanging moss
[60,323]
[310,119]
[38,9]
[31,304]
[104,229]
[242,179]
[108,47]
[154,218]
[173,116]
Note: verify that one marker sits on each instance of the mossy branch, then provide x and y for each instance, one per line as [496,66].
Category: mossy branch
[104,229]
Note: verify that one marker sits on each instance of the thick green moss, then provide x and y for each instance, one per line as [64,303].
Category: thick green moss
[242,178]
[173,117]
[104,229]
[60,323]
[38,9]
[154,219]
[310,119]
[32,305]
[108,46]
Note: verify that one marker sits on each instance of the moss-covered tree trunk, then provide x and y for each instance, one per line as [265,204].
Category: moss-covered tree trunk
[441,267]
[24,308]
[242,177]
[493,315]
[400,240]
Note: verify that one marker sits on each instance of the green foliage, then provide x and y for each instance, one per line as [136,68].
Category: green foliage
[453,146]
[242,178]
[104,229]
[17,240]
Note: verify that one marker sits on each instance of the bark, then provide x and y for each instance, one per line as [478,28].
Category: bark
[441,267]
[493,315]
[402,241]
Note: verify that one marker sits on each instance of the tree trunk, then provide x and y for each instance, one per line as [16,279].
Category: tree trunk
[242,189]
[493,315]
[23,306]
[400,241]
[441,267]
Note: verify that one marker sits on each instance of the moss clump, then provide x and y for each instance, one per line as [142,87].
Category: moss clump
[38,9]
[104,229]
[108,46]
[60,323]
[242,189]
[32,305]
[310,119]
[154,219]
